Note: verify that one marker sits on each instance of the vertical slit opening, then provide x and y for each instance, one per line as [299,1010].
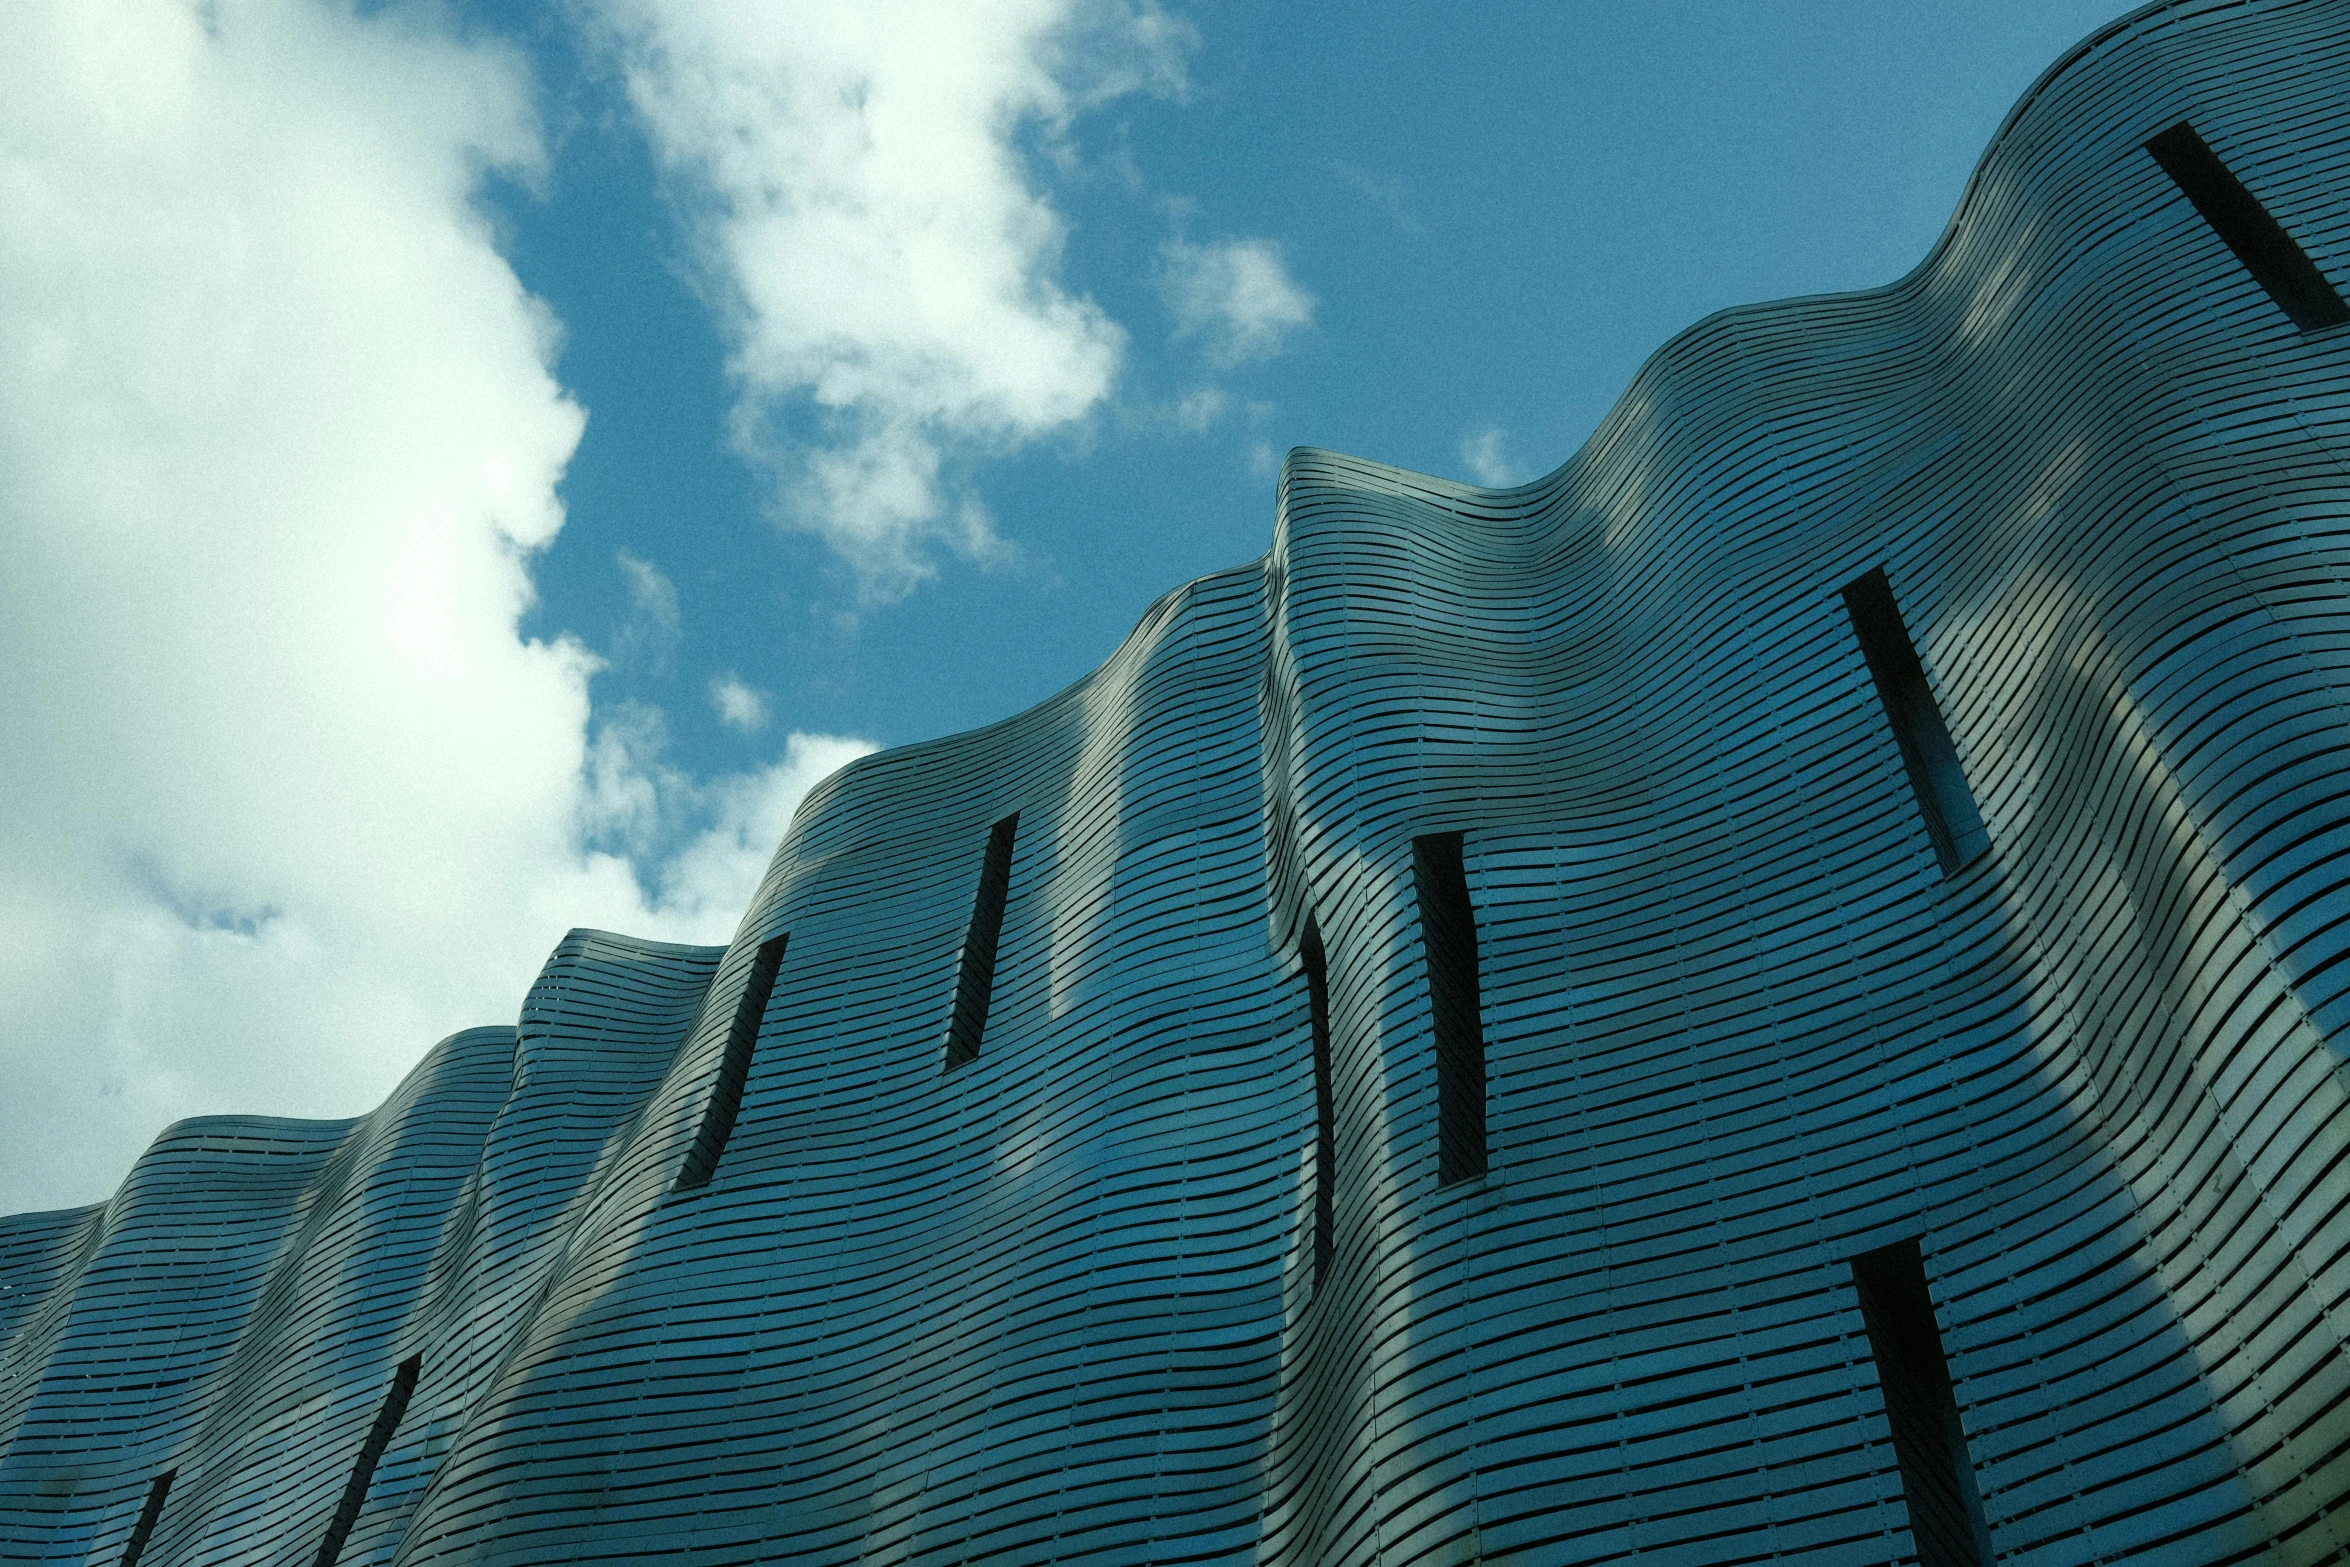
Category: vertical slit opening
[2260,242]
[1921,1408]
[726,1095]
[975,984]
[157,1490]
[1935,776]
[379,1437]
[1448,933]
[1325,1115]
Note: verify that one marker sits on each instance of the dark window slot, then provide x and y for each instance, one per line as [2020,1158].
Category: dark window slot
[156,1492]
[1921,1408]
[975,984]
[1448,931]
[2259,240]
[1325,1115]
[726,1095]
[379,1437]
[1944,799]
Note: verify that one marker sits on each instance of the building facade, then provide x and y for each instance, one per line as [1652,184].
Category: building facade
[1775,993]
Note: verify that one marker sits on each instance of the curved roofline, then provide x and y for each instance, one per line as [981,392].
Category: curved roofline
[1461,487]
[2031,95]
[1942,242]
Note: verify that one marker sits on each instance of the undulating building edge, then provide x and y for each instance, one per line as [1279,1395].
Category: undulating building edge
[1796,1063]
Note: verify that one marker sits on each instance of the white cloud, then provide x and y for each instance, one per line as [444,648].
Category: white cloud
[1236,295]
[739,706]
[1199,408]
[707,844]
[650,590]
[289,797]
[1483,454]
[886,269]
[708,883]
[650,634]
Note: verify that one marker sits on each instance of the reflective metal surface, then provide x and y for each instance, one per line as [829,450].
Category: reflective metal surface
[1061,1303]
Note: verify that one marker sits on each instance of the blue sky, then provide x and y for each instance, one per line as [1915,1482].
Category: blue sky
[466,470]
[1496,217]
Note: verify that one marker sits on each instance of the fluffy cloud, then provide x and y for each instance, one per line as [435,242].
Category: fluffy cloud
[707,883]
[650,634]
[887,270]
[1236,296]
[739,706]
[1483,454]
[289,797]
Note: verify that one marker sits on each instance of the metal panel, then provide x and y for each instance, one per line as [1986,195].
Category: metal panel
[1061,1303]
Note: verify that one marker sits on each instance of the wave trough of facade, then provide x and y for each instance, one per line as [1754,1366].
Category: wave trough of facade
[1840,1192]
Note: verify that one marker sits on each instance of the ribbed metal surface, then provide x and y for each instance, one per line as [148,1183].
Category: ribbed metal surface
[1061,1303]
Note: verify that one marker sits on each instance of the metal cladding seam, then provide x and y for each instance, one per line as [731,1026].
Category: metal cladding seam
[1060,1303]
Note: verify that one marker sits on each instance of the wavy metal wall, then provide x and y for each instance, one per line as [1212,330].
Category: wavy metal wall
[1062,1303]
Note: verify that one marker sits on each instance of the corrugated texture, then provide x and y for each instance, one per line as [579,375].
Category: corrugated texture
[1060,1304]
[239,1309]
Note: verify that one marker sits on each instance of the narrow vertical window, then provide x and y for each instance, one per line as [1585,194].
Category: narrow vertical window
[1448,930]
[975,985]
[1921,1408]
[153,1510]
[379,1437]
[1325,1116]
[726,1095]
[1944,799]
[2259,241]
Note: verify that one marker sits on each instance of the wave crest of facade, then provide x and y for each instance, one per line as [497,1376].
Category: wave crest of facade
[1463,1041]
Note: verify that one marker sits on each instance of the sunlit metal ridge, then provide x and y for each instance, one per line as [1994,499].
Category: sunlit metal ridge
[1822,1035]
